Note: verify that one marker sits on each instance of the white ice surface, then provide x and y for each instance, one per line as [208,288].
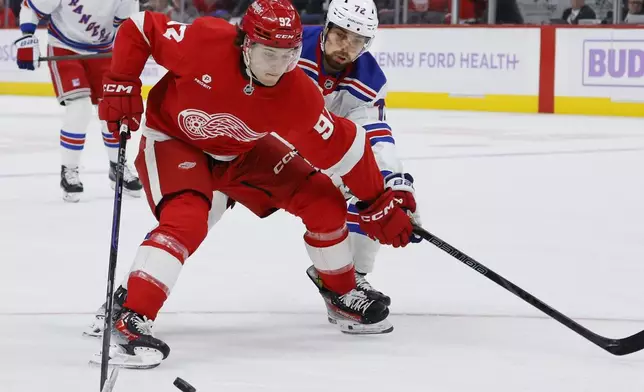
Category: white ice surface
[553,203]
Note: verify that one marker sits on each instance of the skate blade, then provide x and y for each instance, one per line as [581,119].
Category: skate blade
[353,328]
[95,330]
[126,191]
[93,334]
[143,358]
[135,194]
[71,197]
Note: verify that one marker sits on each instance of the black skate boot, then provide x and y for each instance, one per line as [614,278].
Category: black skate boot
[70,183]
[131,184]
[133,346]
[96,329]
[363,285]
[353,312]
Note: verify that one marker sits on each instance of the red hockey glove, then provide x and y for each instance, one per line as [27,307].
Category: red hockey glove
[386,218]
[121,101]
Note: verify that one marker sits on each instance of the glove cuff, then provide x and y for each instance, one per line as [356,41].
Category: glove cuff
[28,28]
[117,77]
[400,182]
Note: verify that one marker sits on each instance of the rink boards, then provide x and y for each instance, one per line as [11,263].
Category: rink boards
[528,69]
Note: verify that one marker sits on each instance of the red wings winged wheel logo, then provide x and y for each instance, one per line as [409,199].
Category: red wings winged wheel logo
[201,125]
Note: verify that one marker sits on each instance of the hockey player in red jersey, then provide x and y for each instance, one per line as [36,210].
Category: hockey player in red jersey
[208,125]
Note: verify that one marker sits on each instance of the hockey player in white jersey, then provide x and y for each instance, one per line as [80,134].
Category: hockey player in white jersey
[77,27]
[354,86]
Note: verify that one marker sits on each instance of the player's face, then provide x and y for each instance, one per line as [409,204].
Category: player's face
[341,47]
[269,64]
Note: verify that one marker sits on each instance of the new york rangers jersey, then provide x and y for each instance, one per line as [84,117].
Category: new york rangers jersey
[83,26]
[357,94]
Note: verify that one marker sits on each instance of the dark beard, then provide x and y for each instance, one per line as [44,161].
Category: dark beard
[333,67]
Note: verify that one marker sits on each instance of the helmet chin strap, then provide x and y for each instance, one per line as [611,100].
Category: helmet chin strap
[249,88]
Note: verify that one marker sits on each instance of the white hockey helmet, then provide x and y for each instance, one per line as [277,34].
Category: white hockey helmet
[357,16]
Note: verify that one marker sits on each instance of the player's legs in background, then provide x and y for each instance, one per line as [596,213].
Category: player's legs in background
[273,176]
[178,187]
[73,91]
[330,251]
[95,69]
[364,254]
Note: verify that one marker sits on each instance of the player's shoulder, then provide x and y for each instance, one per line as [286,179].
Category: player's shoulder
[310,45]
[205,28]
[368,72]
[207,44]
[209,40]
[209,28]
[311,33]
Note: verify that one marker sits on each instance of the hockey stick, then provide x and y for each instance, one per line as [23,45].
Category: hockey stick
[109,385]
[76,57]
[623,346]
[116,221]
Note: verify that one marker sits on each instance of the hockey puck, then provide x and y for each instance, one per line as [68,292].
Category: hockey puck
[183,385]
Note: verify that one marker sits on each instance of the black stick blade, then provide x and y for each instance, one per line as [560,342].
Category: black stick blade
[625,346]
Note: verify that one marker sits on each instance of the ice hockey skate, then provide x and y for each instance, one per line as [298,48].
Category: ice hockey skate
[131,184]
[363,285]
[70,183]
[132,345]
[354,313]
[95,330]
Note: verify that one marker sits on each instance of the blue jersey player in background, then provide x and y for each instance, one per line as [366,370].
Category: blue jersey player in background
[354,86]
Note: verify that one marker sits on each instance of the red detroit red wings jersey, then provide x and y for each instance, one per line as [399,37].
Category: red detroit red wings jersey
[204,99]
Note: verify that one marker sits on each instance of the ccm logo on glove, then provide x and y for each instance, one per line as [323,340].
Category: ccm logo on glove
[117,88]
[381,214]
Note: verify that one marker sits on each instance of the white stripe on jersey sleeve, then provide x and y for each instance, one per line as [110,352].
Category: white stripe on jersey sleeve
[139,20]
[353,155]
